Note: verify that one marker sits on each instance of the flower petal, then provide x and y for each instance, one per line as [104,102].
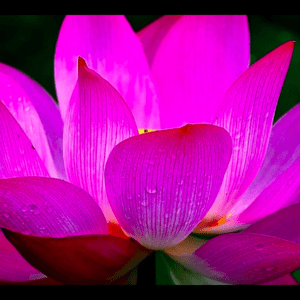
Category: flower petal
[88,259]
[152,35]
[44,129]
[48,207]
[160,184]
[112,49]
[97,120]
[244,258]
[284,280]
[284,224]
[283,150]
[13,267]
[196,63]
[247,113]
[18,156]
[282,192]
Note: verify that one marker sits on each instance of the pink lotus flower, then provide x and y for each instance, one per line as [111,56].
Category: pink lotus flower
[214,164]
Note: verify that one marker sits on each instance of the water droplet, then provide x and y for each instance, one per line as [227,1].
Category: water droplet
[236,148]
[34,209]
[178,211]
[19,99]
[237,136]
[266,115]
[270,269]
[129,196]
[24,209]
[166,216]
[151,190]
[180,181]
[144,202]
[27,108]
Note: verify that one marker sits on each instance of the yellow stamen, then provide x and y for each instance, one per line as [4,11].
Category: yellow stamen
[218,222]
[145,130]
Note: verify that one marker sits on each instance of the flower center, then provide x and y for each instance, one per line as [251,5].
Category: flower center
[141,131]
[218,222]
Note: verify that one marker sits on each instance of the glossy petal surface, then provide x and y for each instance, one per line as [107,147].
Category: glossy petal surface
[48,207]
[247,113]
[196,63]
[89,259]
[97,120]
[245,258]
[110,47]
[161,184]
[18,156]
[35,99]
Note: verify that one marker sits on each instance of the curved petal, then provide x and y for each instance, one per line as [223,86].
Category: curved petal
[13,267]
[284,280]
[152,35]
[196,63]
[48,207]
[244,258]
[283,150]
[48,115]
[97,119]
[247,113]
[18,156]
[88,259]
[112,49]
[284,224]
[161,184]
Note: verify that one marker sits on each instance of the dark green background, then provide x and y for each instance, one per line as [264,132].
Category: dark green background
[28,43]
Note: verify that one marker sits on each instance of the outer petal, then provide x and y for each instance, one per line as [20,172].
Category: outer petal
[97,120]
[48,207]
[283,150]
[247,113]
[161,184]
[245,258]
[13,267]
[152,35]
[284,191]
[89,259]
[18,156]
[284,280]
[196,63]
[44,129]
[110,47]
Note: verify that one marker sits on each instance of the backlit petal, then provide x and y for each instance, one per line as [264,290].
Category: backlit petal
[44,130]
[89,259]
[112,49]
[244,258]
[161,184]
[48,207]
[196,63]
[18,156]
[97,120]
[247,113]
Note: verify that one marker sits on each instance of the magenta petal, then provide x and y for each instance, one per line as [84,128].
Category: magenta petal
[152,35]
[44,130]
[161,184]
[283,150]
[112,49]
[247,113]
[284,224]
[97,120]
[48,207]
[245,258]
[195,64]
[13,267]
[284,280]
[18,156]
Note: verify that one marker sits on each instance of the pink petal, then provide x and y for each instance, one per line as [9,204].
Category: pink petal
[282,151]
[48,207]
[97,120]
[161,184]
[89,259]
[245,258]
[247,113]
[40,117]
[19,104]
[284,191]
[284,224]
[13,267]
[196,63]
[110,47]
[152,35]
[284,280]
[18,156]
